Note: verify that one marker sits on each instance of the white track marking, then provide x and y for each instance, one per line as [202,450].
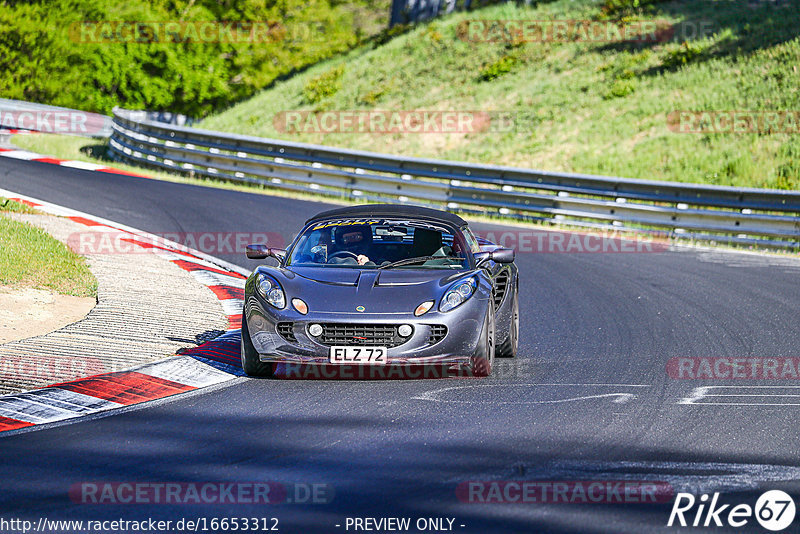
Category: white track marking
[51,404]
[232,306]
[22,409]
[186,370]
[618,397]
[21,154]
[170,256]
[69,400]
[790,263]
[215,279]
[82,165]
[699,395]
[33,408]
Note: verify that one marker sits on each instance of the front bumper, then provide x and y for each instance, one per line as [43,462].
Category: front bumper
[455,348]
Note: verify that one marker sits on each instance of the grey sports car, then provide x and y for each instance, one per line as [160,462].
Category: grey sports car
[382,285]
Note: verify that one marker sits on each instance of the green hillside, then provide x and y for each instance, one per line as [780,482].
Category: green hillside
[593,107]
[48,55]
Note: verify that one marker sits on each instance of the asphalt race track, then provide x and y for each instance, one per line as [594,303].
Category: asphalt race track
[588,397]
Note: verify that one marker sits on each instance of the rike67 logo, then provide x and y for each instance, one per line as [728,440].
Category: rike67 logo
[774,510]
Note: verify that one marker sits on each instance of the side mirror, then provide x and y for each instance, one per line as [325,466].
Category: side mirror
[500,255]
[260,252]
[257,252]
[504,255]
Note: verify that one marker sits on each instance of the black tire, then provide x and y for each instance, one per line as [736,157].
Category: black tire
[250,362]
[508,349]
[483,359]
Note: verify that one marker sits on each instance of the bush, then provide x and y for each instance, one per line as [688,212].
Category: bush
[624,71]
[684,54]
[624,8]
[372,97]
[502,66]
[620,88]
[43,58]
[323,86]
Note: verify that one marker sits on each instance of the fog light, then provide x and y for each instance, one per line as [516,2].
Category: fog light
[300,306]
[405,330]
[315,330]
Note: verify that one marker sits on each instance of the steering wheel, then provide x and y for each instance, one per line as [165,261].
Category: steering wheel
[343,253]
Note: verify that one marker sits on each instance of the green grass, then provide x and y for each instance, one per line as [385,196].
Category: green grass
[595,108]
[30,257]
[11,206]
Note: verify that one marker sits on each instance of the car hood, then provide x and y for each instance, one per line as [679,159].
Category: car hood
[343,290]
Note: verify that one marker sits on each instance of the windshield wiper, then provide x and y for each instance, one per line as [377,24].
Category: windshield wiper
[409,261]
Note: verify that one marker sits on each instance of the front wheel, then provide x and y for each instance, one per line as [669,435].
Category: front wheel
[483,360]
[508,349]
[251,364]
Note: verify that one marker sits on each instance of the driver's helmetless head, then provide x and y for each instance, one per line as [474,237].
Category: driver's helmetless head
[355,238]
[351,238]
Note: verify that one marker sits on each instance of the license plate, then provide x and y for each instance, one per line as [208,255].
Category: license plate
[358,355]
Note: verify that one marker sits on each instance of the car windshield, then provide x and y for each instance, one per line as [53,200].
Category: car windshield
[375,243]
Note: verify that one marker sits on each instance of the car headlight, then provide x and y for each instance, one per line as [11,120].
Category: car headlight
[458,295]
[271,291]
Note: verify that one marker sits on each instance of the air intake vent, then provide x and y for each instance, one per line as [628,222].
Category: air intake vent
[438,332]
[500,287]
[370,335]
[286,330]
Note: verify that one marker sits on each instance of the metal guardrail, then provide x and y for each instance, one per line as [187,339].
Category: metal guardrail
[413,11]
[745,215]
[161,117]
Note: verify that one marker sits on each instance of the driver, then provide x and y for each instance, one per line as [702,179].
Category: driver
[356,240]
